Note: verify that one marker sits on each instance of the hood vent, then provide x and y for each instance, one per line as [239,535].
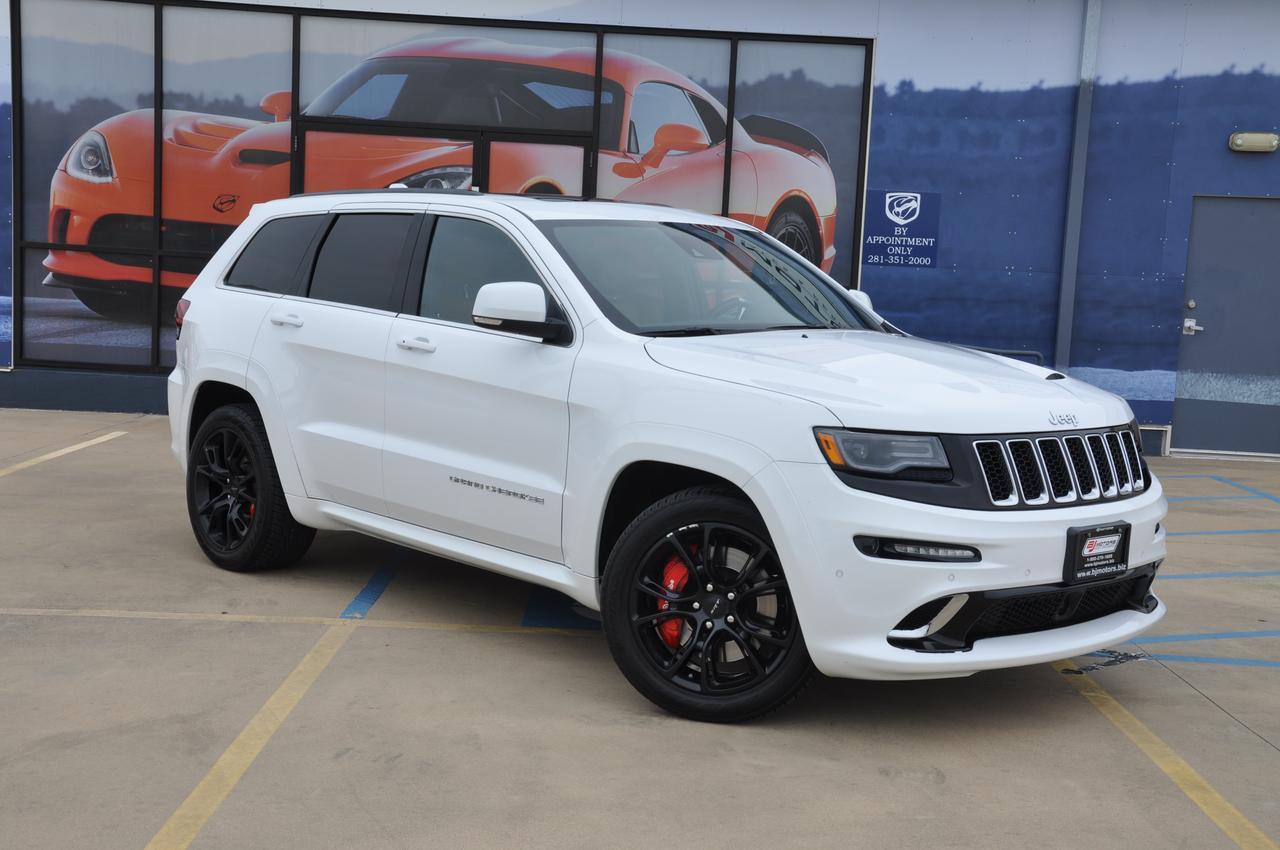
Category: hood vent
[259,156]
[1055,376]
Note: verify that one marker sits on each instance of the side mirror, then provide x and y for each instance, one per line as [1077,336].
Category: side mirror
[278,105]
[517,307]
[862,299]
[680,138]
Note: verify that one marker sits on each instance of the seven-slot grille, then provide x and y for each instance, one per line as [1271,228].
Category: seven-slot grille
[1072,468]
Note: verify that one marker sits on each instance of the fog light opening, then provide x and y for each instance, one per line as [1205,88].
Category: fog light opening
[914,550]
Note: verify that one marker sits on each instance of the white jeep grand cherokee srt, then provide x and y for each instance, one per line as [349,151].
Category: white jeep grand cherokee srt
[673,419]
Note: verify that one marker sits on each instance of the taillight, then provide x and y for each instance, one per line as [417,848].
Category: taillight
[181,313]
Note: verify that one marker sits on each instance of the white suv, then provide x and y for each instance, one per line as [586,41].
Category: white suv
[673,419]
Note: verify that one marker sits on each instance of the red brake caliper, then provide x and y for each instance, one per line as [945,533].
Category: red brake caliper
[675,575]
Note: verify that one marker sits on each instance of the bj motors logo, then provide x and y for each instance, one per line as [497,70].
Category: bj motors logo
[1104,545]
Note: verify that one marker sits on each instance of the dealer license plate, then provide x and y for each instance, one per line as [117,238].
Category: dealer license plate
[1096,552]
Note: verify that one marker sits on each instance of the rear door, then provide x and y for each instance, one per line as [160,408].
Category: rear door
[323,348]
[477,419]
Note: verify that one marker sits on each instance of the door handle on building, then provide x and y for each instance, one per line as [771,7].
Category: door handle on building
[293,320]
[418,343]
[1190,328]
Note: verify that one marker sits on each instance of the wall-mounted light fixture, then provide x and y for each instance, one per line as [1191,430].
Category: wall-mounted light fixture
[1254,142]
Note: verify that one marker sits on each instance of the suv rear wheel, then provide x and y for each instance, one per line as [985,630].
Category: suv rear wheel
[697,611]
[237,507]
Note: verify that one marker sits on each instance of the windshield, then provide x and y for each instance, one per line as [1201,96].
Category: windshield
[438,90]
[675,279]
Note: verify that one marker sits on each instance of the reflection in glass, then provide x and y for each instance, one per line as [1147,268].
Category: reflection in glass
[336,161]
[529,168]
[85,321]
[226,132]
[87,77]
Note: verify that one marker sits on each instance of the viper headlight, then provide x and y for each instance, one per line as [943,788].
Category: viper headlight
[444,177]
[89,159]
[915,456]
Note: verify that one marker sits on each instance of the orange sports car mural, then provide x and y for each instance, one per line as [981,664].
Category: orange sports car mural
[662,140]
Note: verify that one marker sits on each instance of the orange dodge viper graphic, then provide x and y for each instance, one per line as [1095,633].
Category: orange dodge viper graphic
[662,140]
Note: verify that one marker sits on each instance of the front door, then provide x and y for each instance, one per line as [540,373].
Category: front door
[1228,388]
[477,420]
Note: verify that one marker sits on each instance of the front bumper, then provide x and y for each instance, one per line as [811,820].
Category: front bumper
[849,602]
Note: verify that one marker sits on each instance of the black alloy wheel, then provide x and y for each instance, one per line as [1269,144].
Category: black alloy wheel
[226,489]
[791,229]
[698,612]
[237,507]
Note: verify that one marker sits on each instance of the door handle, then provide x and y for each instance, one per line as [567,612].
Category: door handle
[418,343]
[293,320]
[1190,328]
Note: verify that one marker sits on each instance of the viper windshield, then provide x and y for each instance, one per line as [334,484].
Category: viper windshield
[676,279]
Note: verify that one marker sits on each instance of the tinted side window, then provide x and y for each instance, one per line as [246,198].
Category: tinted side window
[465,255]
[360,260]
[271,258]
[653,105]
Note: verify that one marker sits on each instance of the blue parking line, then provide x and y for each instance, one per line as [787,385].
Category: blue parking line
[1214,659]
[359,607]
[1253,491]
[1211,498]
[1261,633]
[1223,574]
[1224,531]
[1195,475]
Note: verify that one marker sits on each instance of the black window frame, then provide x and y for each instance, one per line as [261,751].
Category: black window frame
[160,257]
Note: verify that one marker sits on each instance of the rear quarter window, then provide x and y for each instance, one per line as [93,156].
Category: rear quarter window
[270,261]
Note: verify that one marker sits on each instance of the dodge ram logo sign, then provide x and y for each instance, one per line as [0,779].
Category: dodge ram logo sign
[902,207]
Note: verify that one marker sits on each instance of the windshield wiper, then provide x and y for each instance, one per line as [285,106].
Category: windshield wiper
[701,330]
[795,328]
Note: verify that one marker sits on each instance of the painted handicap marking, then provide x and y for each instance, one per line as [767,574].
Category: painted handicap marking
[549,609]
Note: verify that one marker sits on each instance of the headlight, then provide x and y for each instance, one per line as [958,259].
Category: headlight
[912,456]
[90,160]
[445,177]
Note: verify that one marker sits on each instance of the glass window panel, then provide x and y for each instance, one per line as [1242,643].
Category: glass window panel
[533,168]
[446,74]
[270,260]
[360,260]
[88,317]
[798,109]
[87,78]
[222,150]
[465,255]
[336,161]
[673,80]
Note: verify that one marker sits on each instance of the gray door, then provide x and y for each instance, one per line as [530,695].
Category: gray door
[1228,391]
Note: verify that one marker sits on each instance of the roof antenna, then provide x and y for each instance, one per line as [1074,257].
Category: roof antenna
[398,186]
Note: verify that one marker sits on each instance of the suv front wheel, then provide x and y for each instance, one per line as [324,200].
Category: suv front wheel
[237,507]
[697,611]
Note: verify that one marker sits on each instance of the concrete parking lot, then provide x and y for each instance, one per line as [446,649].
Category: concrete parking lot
[376,697]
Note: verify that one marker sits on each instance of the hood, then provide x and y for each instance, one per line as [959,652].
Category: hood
[879,381]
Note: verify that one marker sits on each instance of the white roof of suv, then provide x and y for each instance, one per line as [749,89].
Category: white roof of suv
[536,208]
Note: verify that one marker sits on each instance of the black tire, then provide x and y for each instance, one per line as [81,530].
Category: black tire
[117,306]
[674,670]
[793,230]
[237,507]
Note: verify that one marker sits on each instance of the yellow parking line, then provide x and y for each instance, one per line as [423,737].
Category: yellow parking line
[184,824]
[26,464]
[1228,818]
